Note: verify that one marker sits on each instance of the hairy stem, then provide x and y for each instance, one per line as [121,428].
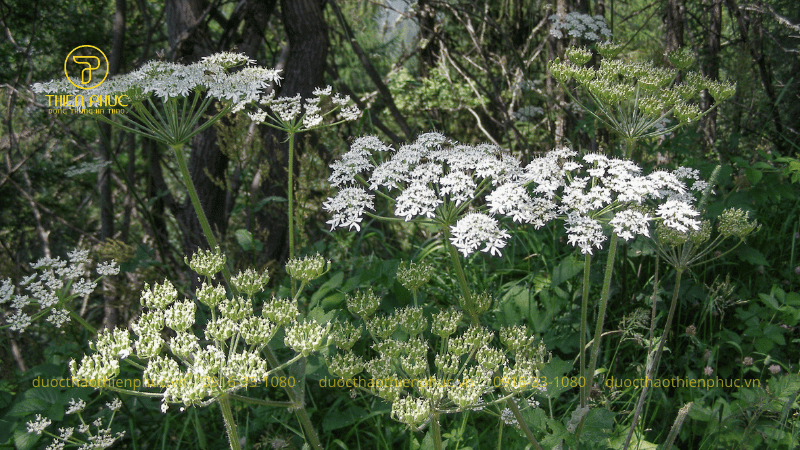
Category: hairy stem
[462,279]
[230,424]
[198,208]
[601,315]
[587,262]
[512,405]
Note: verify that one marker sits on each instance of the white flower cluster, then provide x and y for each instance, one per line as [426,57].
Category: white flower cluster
[169,80]
[97,439]
[291,112]
[54,283]
[432,176]
[579,25]
[435,176]
[594,190]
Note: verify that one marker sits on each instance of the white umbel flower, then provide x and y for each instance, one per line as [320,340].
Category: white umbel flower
[476,229]
[629,223]
[678,215]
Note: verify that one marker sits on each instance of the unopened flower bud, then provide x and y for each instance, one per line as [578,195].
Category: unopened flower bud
[680,58]
[207,262]
[362,304]
[579,56]
[250,281]
[733,222]
[308,268]
[414,276]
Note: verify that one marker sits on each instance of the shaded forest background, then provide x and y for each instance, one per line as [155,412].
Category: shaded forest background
[476,71]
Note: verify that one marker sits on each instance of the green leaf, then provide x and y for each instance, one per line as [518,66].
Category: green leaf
[793,299]
[24,440]
[554,369]
[568,268]
[244,238]
[753,256]
[598,425]
[343,418]
[763,344]
[753,175]
[334,282]
[775,334]
[769,301]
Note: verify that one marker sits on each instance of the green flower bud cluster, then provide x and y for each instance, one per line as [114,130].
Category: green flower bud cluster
[211,295]
[382,327]
[160,296]
[207,262]
[670,237]
[579,56]
[308,268]
[608,49]
[236,337]
[636,98]
[733,222]
[236,308]
[414,276]
[345,335]
[345,365]
[483,302]
[363,304]
[307,337]
[250,281]
[444,323]
[257,330]
[280,311]
[411,320]
[411,411]
[180,316]
[681,58]
[462,365]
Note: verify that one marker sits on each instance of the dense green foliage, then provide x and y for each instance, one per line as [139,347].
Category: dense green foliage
[476,72]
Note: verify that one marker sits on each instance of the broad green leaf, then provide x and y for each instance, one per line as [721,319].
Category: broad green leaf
[244,238]
[568,268]
[753,175]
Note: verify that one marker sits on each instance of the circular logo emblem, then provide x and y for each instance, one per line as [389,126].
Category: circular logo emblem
[88,65]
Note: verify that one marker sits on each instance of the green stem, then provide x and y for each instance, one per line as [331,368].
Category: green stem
[80,320]
[601,315]
[290,197]
[297,405]
[258,401]
[437,432]
[198,208]
[512,405]
[587,262]
[652,370]
[230,424]
[469,303]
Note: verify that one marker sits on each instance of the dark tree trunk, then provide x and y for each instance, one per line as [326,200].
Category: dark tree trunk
[189,41]
[305,68]
[104,175]
[754,43]
[674,22]
[426,18]
[713,14]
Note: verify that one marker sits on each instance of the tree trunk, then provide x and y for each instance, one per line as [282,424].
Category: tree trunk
[189,42]
[104,175]
[673,23]
[754,44]
[305,69]
[713,14]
